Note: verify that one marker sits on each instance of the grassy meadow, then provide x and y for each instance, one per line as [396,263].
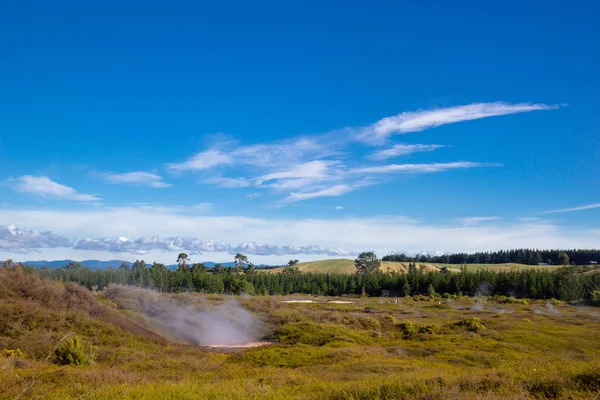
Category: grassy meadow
[371,348]
[346,266]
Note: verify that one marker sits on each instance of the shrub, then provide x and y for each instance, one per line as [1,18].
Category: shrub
[315,334]
[72,352]
[471,324]
[428,329]
[14,353]
[510,300]
[408,328]
[388,319]
[370,324]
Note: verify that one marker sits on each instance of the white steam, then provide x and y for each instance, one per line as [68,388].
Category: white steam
[190,317]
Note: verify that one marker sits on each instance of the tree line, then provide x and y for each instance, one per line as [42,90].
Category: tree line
[567,283]
[519,256]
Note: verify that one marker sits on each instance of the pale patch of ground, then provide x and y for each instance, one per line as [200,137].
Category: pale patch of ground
[237,346]
[299,301]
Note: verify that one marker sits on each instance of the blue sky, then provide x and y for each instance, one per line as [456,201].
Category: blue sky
[311,130]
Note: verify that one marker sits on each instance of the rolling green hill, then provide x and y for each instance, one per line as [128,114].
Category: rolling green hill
[346,266]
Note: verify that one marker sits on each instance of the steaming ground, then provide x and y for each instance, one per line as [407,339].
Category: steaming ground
[191,318]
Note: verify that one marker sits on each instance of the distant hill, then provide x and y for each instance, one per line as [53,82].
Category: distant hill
[93,264]
[345,266]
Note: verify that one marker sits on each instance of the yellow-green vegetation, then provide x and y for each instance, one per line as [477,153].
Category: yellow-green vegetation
[368,349]
[346,266]
[500,267]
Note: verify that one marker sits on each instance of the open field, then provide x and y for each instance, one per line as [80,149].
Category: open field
[346,266]
[370,348]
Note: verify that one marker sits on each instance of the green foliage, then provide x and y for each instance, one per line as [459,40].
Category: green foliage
[72,352]
[519,256]
[182,260]
[509,300]
[431,291]
[366,263]
[316,334]
[471,324]
[429,329]
[407,328]
[511,287]
[13,353]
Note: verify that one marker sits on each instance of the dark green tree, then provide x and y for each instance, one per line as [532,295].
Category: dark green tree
[366,263]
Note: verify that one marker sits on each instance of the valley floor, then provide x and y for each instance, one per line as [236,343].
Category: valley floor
[366,349]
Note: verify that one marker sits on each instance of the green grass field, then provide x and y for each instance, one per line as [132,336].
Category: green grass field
[346,266]
[368,349]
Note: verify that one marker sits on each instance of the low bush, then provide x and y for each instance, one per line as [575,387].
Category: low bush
[428,329]
[72,352]
[315,334]
[13,353]
[407,328]
[471,324]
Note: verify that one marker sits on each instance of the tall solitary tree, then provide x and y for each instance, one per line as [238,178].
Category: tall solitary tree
[366,263]
[240,262]
[182,260]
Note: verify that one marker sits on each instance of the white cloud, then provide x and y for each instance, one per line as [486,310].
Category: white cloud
[476,220]
[414,121]
[307,176]
[339,208]
[313,170]
[404,149]
[22,241]
[204,160]
[382,234]
[264,155]
[314,166]
[420,168]
[229,182]
[13,238]
[336,190]
[579,208]
[44,186]
[137,178]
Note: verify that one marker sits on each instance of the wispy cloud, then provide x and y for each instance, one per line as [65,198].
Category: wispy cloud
[578,208]
[306,176]
[44,186]
[141,178]
[336,190]
[469,221]
[414,121]
[204,160]
[229,182]
[264,155]
[420,168]
[324,165]
[404,149]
